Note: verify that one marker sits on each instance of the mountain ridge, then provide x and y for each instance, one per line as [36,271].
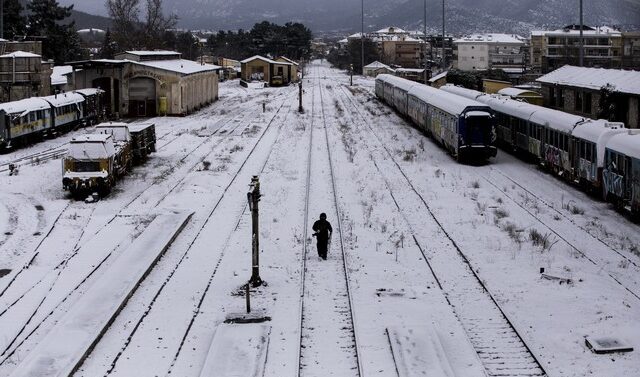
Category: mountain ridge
[462,16]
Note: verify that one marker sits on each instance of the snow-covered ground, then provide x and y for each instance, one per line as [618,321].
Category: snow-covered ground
[432,269]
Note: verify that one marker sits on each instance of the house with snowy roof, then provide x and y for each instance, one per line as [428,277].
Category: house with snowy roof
[148,83]
[281,71]
[578,90]
[376,68]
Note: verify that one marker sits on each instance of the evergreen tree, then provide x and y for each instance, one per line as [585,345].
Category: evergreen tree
[109,48]
[45,18]
[14,22]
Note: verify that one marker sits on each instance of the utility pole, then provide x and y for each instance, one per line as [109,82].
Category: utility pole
[444,64]
[253,196]
[424,51]
[581,61]
[1,19]
[362,39]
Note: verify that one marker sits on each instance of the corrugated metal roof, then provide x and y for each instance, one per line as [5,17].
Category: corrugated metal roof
[595,78]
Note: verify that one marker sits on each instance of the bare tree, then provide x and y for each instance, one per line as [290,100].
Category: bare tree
[130,32]
[156,24]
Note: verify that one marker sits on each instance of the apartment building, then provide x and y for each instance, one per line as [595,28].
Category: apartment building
[551,50]
[479,52]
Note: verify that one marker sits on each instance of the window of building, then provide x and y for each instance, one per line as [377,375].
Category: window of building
[587,103]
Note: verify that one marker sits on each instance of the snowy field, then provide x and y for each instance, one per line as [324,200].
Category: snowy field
[434,267]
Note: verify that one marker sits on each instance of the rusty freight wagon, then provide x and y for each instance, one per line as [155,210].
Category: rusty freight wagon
[94,163]
[141,136]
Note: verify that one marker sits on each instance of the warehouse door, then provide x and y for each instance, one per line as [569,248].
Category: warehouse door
[142,97]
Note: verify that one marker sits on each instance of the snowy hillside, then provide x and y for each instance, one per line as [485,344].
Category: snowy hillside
[464,16]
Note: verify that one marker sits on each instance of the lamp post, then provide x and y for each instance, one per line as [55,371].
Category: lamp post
[253,197]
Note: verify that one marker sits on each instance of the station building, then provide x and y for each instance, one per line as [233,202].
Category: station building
[149,83]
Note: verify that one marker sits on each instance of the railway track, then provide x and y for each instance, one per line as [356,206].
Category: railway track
[235,123]
[595,260]
[328,335]
[150,306]
[226,243]
[500,347]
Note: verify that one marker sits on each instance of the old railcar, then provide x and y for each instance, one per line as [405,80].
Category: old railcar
[589,140]
[463,126]
[123,143]
[93,163]
[93,106]
[621,173]
[67,110]
[143,137]
[24,121]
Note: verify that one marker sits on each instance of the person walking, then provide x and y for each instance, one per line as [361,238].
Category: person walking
[323,231]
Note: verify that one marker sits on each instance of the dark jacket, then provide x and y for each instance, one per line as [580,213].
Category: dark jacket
[322,228]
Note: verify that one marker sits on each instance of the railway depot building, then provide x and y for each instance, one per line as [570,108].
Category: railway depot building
[280,71]
[149,83]
[577,90]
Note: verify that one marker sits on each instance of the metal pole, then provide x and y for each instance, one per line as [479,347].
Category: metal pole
[362,39]
[581,62]
[424,50]
[248,297]
[351,75]
[1,18]
[300,109]
[444,64]
[254,199]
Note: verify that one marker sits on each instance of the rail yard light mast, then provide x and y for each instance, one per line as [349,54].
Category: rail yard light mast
[253,197]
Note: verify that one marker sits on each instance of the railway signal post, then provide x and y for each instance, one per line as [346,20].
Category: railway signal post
[300,109]
[351,74]
[253,197]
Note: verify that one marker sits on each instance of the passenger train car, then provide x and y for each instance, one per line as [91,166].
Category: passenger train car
[464,127]
[598,155]
[29,120]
